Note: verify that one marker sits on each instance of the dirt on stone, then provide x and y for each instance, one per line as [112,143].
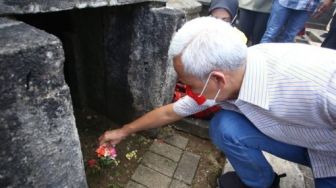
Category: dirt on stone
[91,125]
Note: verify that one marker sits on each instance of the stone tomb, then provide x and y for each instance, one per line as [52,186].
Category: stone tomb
[113,58]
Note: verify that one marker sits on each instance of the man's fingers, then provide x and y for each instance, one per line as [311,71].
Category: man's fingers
[112,143]
[102,139]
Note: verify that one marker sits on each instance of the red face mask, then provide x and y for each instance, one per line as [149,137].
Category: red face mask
[200,99]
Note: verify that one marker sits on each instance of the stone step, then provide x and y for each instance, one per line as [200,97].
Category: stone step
[166,150]
[316,35]
[166,165]
[150,178]
[197,127]
[187,167]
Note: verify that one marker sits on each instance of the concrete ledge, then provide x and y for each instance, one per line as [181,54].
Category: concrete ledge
[197,127]
[315,34]
[33,6]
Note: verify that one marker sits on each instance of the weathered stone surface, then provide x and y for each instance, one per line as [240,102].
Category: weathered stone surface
[159,163]
[39,144]
[132,184]
[191,8]
[295,177]
[187,167]
[177,140]
[197,127]
[178,184]
[139,75]
[308,176]
[150,178]
[117,69]
[38,6]
[166,150]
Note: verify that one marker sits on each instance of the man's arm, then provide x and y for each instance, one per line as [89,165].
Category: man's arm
[153,119]
[324,6]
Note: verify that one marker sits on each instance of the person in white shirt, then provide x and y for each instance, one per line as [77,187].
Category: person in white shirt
[279,98]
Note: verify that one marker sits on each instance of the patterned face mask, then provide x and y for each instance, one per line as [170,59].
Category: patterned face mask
[200,98]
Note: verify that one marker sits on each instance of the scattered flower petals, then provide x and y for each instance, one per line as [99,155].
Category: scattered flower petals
[106,151]
[92,163]
[131,155]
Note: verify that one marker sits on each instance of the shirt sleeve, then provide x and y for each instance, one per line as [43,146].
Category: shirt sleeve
[229,106]
[187,106]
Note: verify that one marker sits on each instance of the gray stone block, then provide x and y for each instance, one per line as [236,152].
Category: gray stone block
[150,178]
[177,140]
[119,70]
[189,6]
[39,143]
[132,184]
[148,76]
[159,163]
[178,184]
[38,6]
[197,127]
[187,167]
[166,150]
[308,176]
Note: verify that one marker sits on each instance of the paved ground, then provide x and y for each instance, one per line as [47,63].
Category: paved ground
[166,165]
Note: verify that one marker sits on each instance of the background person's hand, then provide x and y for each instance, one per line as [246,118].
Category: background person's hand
[324,6]
[112,137]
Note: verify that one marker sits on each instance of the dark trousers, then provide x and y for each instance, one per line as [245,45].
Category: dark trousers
[330,40]
[253,24]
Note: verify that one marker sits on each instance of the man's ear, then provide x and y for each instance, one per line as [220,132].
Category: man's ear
[219,77]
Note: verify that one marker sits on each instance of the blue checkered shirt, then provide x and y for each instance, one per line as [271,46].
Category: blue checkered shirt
[307,5]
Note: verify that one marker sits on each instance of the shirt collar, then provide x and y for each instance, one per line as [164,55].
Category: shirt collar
[254,85]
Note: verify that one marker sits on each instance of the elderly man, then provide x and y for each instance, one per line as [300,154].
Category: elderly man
[279,98]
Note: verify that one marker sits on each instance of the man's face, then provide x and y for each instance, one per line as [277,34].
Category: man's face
[196,84]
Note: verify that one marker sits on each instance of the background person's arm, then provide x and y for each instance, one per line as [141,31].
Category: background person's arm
[322,8]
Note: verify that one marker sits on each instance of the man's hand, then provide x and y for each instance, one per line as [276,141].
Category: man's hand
[112,137]
[153,119]
[322,8]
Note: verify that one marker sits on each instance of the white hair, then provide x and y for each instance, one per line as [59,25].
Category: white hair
[207,44]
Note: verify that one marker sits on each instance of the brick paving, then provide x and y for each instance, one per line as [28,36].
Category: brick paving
[166,165]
